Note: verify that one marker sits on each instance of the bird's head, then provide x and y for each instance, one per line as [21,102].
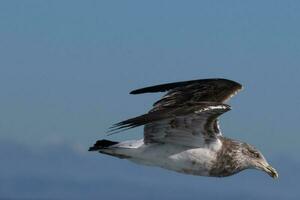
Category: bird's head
[254,159]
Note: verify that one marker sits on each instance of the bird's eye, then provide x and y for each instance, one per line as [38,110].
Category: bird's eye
[256,155]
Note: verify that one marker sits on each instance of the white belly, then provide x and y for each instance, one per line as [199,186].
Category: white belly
[195,161]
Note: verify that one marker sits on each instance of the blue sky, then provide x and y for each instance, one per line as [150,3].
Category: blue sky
[66,69]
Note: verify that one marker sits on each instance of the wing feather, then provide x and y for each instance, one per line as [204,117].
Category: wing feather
[190,92]
[190,124]
[187,114]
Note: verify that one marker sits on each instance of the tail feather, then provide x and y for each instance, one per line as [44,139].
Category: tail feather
[102,144]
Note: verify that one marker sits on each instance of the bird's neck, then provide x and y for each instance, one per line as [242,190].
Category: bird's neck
[228,160]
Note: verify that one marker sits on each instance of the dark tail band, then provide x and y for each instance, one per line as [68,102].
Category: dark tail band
[102,144]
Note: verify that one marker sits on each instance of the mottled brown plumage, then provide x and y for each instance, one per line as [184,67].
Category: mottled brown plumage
[181,132]
[228,159]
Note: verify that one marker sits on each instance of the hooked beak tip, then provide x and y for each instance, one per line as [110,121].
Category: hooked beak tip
[271,171]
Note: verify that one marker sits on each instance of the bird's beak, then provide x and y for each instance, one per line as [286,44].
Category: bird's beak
[269,169]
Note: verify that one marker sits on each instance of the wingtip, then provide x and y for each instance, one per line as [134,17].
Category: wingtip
[133,92]
[237,84]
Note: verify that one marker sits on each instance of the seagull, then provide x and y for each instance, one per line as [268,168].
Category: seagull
[182,133]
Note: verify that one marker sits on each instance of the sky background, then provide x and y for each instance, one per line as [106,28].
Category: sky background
[66,68]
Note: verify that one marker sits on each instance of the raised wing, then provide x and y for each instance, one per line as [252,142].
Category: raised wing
[191,92]
[187,114]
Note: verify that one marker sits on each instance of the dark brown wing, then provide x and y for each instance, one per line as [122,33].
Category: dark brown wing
[188,113]
[191,92]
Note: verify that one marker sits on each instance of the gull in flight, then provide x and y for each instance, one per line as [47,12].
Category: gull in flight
[182,133]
